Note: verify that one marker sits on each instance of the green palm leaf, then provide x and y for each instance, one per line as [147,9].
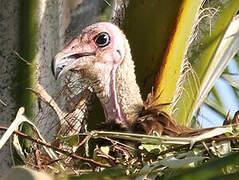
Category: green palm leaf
[159,44]
[209,56]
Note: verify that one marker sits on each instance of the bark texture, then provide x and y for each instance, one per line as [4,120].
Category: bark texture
[55,21]
[9,12]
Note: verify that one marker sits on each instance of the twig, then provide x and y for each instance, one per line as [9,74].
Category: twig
[195,136]
[52,162]
[20,57]
[205,146]
[171,149]
[2,102]
[114,142]
[218,139]
[73,155]
[143,138]
[136,137]
[83,141]
[38,162]
[207,149]
[66,124]
[107,3]
[46,98]
[106,156]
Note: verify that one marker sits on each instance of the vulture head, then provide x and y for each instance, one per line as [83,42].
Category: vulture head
[100,47]
[101,54]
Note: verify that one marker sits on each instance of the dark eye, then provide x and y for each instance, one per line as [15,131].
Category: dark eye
[102,39]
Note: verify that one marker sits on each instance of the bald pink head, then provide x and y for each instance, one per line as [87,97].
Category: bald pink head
[101,54]
[103,45]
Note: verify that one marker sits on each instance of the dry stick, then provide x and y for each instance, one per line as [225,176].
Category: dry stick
[106,156]
[83,141]
[207,149]
[114,142]
[38,162]
[218,139]
[205,146]
[21,58]
[52,162]
[73,155]
[107,3]
[3,103]
[46,98]
[111,160]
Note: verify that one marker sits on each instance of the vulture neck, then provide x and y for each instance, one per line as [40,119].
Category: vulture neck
[120,96]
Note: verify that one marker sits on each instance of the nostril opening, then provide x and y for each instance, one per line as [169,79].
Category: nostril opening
[76,56]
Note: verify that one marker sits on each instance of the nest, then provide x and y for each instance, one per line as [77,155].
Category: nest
[102,154]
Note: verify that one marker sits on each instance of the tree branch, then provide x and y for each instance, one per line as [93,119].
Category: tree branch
[73,155]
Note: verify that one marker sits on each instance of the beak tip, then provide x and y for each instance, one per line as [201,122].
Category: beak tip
[53,68]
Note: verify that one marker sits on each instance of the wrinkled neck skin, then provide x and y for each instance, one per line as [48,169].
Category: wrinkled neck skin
[119,93]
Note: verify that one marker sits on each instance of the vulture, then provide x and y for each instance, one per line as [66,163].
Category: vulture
[101,54]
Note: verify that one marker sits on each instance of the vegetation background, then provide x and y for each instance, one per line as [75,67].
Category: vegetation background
[33,31]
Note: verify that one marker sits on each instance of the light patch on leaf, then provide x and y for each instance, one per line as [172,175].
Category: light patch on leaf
[105,149]
[151,147]
[221,148]
[181,161]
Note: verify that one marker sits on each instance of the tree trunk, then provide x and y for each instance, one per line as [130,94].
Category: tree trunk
[37,30]
[9,12]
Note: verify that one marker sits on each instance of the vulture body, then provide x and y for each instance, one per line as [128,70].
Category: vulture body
[101,53]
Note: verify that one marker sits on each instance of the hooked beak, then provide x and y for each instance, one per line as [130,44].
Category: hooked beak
[64,62]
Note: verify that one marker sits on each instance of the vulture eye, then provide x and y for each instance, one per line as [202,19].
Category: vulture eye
[102,39]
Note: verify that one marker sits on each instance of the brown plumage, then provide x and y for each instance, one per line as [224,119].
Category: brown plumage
[152,118]
[101,54]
